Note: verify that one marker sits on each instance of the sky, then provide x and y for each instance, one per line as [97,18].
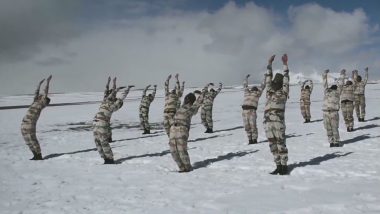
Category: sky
[82,42]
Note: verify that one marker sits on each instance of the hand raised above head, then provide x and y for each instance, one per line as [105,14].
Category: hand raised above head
[284,59]
[271,59]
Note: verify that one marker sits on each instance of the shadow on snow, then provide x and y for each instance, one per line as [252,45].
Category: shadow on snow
[317,160]
[228,156]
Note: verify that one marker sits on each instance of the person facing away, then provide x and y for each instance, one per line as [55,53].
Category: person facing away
[347,101]
[206,110]
[102,122]
[330,110]
[359,93]
[146,100]
[250,103]
[171,102]
[179,131]
[306,89]
[274,114]
[29,122]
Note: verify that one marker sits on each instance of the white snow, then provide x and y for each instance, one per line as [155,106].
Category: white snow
[230,176]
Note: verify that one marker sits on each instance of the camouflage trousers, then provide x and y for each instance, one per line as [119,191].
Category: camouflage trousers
[275,132]
[348,113]
[360,105]
[168,116]
[101,135]
[331,124]
[28,132]
[305,109]
[206,117]
[178,146]
[249,120]
[144,118]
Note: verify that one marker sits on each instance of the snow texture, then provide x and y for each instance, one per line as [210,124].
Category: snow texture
[229,177]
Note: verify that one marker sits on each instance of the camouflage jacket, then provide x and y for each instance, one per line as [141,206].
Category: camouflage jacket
[306,93]
[109,106]
[39,103]
[171,97]
[276,100]
[146,100]
[331,97]
[359,87]
[251,98]
[186,112]
[209,96]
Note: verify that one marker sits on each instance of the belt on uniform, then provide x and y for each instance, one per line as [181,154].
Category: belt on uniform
[346,101]
[248,107]
[170,110]
[275,110]
[144,107]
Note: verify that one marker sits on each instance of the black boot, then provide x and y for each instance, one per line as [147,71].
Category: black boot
[252,141]
[277,170]
[209,130]
[332,145]
[284,170]
[146,131]
[108,161]
[36,156]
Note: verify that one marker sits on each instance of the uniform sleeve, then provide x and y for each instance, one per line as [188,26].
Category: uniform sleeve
[311,86]
[145,90]
[245,84]
[324,80]
[195,107]
[218,90]
[268,77]
[341,82]
[167,87]
[285,86]
[366,77]
[37,92]
[124,94]
[153,94]
[181,90]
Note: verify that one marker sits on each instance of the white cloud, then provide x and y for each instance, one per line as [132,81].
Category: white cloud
[223,45]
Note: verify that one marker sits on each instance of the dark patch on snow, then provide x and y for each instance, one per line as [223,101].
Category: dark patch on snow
[67,153]
[228,156]
[317,160]
[370,126]
[229,129]
[356,139]
[206,138]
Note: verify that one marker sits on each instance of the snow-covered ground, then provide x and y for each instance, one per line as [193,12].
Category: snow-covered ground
[229,177]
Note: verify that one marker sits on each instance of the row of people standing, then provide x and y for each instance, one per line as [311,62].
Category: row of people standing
[177,117]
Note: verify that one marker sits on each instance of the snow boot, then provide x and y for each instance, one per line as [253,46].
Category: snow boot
[209,130]
[252,141]
[36,156]
[284,170]
[146,131]
[277,170]
[108,161]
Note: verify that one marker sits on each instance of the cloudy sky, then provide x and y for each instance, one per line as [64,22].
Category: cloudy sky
[82,42]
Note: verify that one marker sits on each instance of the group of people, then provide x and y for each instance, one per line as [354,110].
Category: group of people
[345,93]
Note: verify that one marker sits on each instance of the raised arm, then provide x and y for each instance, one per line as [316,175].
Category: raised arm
[342,77]
[366,76]
[126,92]
[46,91]
[205,89]
[354,75]
[167,85]
[303,84]
[311,85]
[219,89]
[182,89]
[198,103]
[269,74]
[37,92]
[245,83]
[145,90]
[324,79]
[285,86]
[154,92]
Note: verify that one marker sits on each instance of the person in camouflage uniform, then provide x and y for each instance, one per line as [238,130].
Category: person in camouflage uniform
[171,102]
[29,122]
[146,100]
[306,89]
[347,102]
[206,110]
[274,114]
[359,93]
[102,122]
[251,100]
[179,131]
[330,110]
